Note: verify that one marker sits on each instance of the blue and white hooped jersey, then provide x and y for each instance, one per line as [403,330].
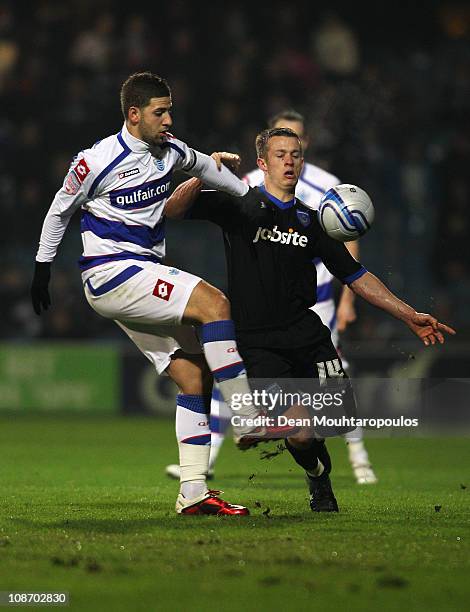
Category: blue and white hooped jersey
[121,185]
[313,183]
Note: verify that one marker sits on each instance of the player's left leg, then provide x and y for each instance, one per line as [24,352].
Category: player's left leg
[219,422]
[310,454]
[192,376]
[320,361]
[359,457]
[357,452]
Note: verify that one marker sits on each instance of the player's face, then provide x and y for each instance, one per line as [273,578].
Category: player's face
[155,121]
[283,163]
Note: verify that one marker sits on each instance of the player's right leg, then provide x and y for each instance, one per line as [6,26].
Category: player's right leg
[210,308]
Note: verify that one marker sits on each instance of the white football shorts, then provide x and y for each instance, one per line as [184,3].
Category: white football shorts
[147,300]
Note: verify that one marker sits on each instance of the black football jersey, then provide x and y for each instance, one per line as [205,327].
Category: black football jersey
[270,247]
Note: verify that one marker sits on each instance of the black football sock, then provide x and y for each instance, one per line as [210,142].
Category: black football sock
[308,457]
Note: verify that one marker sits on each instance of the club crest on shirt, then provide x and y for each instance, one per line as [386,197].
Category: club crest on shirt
[303,217]
[159,163]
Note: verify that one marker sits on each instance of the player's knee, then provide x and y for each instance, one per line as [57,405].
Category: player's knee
[206,304]
[302,439]
[218,308]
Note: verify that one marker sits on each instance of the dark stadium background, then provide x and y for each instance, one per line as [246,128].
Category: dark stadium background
[387,109]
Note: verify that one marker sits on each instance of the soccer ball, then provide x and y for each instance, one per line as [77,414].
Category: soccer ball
[346,212]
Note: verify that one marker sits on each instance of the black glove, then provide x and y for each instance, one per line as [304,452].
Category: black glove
[40,286]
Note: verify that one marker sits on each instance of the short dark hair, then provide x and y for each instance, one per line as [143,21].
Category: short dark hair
[264,137]
[139,88]
[289,114]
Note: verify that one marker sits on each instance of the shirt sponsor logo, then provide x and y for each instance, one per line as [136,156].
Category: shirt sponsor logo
[142,195]
[274,235]
[123,175]
[163,290]
[81,170]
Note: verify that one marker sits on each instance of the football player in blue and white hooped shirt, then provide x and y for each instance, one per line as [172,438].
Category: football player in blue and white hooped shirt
[121,185]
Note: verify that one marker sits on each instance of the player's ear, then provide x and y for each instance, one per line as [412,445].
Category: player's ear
[133,115]
[262,164]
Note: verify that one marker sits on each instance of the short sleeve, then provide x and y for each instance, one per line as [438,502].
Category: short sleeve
[338,259]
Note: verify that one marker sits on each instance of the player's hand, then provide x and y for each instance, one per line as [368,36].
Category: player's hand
[231,160]
[428,328]
[40,287]
[345,314]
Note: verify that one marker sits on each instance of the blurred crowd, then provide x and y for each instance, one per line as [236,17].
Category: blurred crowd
[386,97]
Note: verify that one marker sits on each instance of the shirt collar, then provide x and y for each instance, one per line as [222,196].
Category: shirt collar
[279,203]
[139,146]
[134,144]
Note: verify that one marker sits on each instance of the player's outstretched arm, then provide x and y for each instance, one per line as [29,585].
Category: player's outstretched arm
[425,326]
[186,193]
[182,198]
[206,168]
[346,312]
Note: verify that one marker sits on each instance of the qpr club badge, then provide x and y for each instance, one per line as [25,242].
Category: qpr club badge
[160,164]
[303,217]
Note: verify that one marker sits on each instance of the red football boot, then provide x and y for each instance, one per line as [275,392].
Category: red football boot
[209,503]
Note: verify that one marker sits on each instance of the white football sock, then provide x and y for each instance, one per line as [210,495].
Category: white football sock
[358,454]
[216,444]
[318,471]
[193,489]
[356,435]
[219,422]
[194,437]
[226,364]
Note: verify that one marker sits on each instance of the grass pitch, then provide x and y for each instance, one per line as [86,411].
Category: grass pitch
[86,508]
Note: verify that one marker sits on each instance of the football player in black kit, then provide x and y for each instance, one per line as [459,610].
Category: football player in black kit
[270,241]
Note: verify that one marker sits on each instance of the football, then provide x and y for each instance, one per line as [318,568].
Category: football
[346,212]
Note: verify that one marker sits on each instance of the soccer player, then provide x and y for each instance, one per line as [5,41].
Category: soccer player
[313,183]
[121,185]
[270,240]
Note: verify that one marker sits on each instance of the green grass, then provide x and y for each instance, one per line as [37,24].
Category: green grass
[85,508]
